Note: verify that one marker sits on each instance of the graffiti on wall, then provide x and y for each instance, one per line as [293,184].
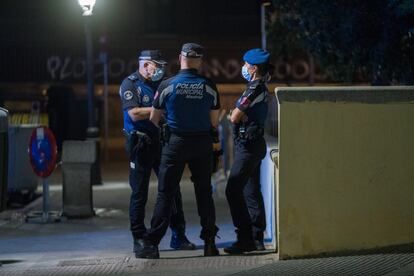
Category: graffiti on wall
[224,70]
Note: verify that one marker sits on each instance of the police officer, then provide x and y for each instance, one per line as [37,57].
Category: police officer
[143,145]
[191,103]
[243,187]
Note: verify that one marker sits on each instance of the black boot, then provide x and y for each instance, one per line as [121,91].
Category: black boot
[210,248]
[259,245]
[180,242]
[258,241]
[146,250]
[244,243]
[138,244]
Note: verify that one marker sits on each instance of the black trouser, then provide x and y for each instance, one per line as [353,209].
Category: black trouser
[142,162]
[196,151]
[243,189]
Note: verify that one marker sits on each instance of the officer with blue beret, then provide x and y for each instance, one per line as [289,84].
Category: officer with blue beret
[191,105]
[143,145]
[243,187]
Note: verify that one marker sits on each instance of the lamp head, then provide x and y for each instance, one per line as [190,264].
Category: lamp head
[87,6]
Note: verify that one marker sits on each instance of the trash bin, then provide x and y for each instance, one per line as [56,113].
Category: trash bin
[22,181]
[77,160]
[3,157]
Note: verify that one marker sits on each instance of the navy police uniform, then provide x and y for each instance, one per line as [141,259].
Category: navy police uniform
[144,150]
[187,99]
[243,190]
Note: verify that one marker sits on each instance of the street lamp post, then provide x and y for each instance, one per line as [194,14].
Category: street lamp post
[263,5]
[87,8]
[92,132]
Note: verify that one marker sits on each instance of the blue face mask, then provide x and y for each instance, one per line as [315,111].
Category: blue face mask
[245,73]
[158,74]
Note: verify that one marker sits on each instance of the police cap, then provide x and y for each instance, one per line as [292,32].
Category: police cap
[153,55]
[256,56]
[192,50]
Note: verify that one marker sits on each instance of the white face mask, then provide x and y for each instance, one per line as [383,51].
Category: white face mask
[157,74]
[245,73]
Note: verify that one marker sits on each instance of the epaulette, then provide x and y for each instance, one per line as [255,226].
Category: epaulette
[254,86]
[133,77]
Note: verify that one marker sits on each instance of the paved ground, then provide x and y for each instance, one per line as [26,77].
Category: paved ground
[102,245]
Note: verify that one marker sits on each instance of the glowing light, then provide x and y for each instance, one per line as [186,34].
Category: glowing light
[87,6]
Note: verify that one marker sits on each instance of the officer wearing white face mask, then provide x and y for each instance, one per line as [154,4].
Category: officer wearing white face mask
[143,146]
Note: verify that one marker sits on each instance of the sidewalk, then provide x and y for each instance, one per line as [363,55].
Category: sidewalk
[104,241]
[102,245]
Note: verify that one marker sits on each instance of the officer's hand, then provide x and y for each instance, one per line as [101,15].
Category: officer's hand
[216,146]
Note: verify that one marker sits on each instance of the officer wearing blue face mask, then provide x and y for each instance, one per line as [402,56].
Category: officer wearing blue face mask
[243,187]
[143,145]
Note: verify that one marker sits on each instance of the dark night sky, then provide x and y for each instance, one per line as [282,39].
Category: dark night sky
[34,30]
[60,21]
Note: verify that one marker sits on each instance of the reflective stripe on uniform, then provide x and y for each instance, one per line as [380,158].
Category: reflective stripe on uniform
[212,92]
[169,89]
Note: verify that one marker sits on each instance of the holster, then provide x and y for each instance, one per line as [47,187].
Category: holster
[136,140]
[165,134]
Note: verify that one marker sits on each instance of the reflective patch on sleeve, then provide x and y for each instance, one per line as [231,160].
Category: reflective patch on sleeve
[128,95]
[212,92]
[168,90]
[132,165]
[245,102]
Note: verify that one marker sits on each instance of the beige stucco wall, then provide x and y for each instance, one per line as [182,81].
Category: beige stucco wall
[346,176]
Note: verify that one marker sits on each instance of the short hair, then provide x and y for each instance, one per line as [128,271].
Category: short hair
[265,68]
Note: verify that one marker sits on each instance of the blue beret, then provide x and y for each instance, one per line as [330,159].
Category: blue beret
[256,56]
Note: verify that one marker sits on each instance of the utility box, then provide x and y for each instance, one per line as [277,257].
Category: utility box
[3,157]
[21,178]
[77,160]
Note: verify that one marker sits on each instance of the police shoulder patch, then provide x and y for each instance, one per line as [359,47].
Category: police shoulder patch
[128,95]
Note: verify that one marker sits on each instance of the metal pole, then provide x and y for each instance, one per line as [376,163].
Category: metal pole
[263,25]
[93,131]
[89,72]
[45,216]
[105,73]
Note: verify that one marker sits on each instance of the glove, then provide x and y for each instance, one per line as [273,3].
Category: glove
[215,135]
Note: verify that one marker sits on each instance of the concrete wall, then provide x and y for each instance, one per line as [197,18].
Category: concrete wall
[346,169]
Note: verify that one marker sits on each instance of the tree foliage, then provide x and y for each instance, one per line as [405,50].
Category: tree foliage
[369,38]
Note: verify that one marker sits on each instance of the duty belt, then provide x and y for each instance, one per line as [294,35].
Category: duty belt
[251,132]
[185,134]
